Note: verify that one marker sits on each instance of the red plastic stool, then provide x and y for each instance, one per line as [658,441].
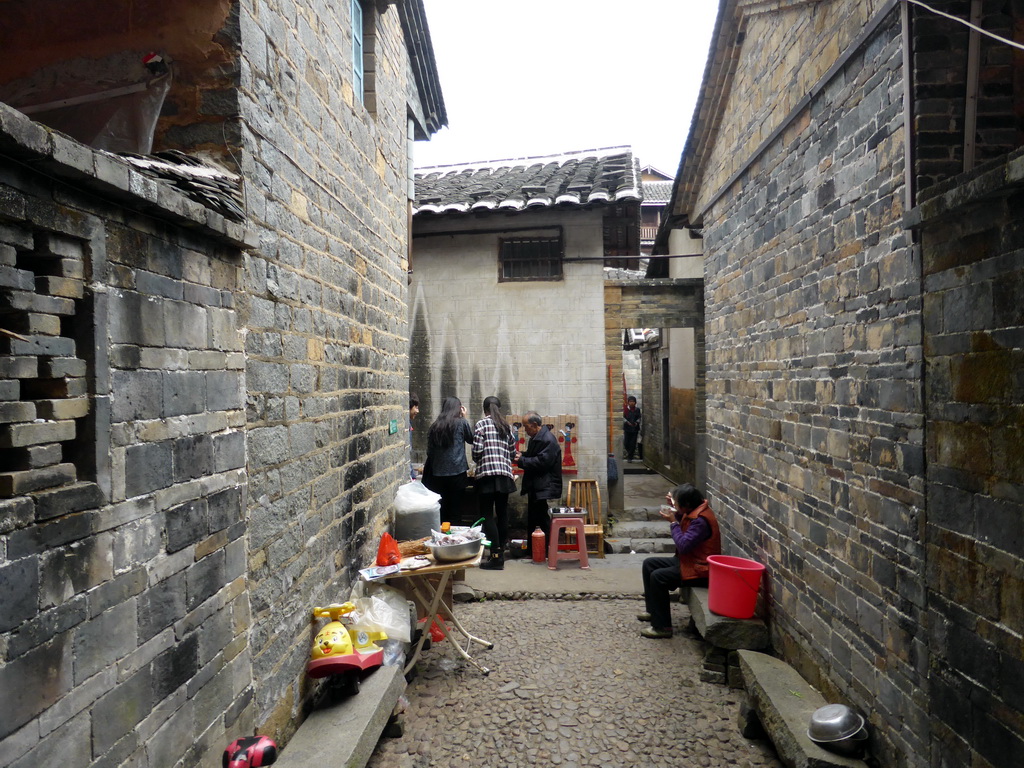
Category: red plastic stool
[574,550]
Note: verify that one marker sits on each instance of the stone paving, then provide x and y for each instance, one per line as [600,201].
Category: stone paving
[572,685]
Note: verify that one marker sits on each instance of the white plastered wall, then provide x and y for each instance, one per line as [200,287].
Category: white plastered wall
[540,342]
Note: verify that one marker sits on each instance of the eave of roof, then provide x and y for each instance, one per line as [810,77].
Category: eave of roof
[707,115]
[577,179]
[424,66]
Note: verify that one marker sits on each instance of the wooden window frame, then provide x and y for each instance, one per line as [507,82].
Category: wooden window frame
[554,259]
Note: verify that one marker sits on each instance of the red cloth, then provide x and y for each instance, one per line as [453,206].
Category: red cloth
[694,564]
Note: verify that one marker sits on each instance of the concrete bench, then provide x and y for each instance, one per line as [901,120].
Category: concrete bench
[344,734]
[724,635]
[782,703]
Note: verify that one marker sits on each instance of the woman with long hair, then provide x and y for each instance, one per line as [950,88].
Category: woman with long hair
[446,463]
[494,443]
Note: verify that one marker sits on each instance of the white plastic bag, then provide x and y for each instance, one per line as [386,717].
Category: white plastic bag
[417,510]
[381,608]
[415,497]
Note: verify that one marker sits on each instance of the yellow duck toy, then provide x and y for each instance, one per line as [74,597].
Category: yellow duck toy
[337,648]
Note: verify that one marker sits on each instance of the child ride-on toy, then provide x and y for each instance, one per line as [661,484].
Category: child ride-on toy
[340,650]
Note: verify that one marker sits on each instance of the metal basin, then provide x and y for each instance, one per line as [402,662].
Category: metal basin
[451,553]
[834,722]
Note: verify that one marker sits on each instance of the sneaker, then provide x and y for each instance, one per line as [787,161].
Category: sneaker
[644,616]
[655,634]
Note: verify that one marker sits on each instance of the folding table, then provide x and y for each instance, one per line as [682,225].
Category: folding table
[430,597]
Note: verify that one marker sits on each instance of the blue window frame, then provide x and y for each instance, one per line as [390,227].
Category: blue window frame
[358,76]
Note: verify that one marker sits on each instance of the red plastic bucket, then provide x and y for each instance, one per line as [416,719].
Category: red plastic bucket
[733,584]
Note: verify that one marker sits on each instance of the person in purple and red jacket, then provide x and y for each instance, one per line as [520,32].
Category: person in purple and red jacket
[696,536]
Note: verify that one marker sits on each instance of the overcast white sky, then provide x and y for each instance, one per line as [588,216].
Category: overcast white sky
[542,77]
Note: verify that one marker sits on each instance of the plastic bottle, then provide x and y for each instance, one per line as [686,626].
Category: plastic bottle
[537,541]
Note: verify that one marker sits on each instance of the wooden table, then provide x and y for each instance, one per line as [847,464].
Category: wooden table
[430,597]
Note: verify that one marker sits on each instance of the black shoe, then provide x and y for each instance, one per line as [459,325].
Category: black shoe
[496,563]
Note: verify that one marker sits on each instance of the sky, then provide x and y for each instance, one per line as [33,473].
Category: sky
[545,77]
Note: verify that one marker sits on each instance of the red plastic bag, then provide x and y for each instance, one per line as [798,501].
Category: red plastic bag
[436,633]
[387,552]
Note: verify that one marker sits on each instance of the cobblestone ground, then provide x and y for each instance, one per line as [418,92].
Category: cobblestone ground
[572,685]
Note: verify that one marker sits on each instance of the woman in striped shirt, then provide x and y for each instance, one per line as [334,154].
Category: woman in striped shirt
[494,443]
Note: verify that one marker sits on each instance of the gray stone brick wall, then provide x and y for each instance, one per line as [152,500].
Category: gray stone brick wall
[123,614]
[940,49]
[972,248]
[815,397]
[324,309]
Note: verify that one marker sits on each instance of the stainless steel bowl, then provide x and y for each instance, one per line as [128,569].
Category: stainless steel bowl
[451,553]
[834,722]
[851,746]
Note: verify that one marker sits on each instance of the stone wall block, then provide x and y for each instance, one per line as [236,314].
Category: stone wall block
[184,393]
[186,524]
[161,606]
[121,710]
[192,457]
[105,639]
[136,395]
[148,467]
[35,681]
[205,579]
[136,319]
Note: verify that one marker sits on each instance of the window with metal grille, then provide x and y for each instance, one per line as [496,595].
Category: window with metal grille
[530,258]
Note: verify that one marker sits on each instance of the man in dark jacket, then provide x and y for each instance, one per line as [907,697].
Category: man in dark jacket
[542,471]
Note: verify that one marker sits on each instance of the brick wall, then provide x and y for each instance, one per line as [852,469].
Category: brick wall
[972,253]
[814,393]
[940,55]
[122,564]
[324,308]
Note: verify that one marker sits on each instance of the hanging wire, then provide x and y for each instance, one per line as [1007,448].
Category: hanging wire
[966,23]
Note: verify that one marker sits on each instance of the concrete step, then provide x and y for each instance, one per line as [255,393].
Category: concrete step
[641,529]
[633,514]
[621,546]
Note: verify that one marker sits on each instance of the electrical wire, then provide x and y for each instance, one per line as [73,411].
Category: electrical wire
[966,23]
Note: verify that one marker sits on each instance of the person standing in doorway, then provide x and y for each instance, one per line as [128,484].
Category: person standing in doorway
[414,411]
[494,444]
[631,418]
[542,471]
[445,471]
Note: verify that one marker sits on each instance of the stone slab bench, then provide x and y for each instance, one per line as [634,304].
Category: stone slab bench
[725,635]
[344,734]
[722,631]
[783,703]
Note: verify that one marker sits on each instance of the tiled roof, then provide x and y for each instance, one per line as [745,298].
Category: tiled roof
[208,184]
[657,192]
[576,179]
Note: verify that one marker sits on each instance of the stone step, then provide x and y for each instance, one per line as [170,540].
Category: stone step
[783,703]
[641,529]
[633,514]
[618,546]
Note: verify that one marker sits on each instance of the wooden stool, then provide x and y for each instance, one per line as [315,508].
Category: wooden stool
[577,552]
[584,493]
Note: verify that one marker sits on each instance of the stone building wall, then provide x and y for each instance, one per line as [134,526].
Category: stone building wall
[780,51]
[473,336]
[940,55]
[815,392]
[972,243]
[124,616]
[324,310]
